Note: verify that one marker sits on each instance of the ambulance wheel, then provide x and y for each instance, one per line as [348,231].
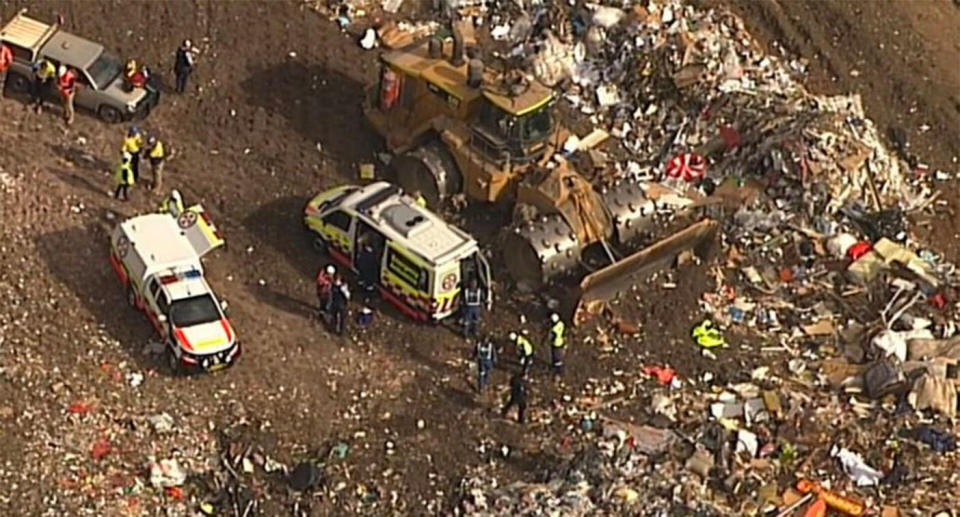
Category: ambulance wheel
[320,245]
[132,297]
[173,363]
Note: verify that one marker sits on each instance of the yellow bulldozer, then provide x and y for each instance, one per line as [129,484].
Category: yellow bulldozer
[456,125]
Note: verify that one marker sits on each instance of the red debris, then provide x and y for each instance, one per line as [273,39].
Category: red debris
[100,449]
[731,137]
[858,250]
[786,275]
[174,492]
[938,300]
[729,292]
[664,375]
[79,408]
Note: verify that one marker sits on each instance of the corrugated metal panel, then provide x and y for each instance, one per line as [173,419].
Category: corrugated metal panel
[25,32]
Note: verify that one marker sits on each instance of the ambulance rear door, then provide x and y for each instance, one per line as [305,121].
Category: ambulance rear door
[476,266]
[195,224]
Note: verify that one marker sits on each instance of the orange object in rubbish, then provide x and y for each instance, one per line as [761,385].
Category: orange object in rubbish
[817,509]
[175,492]
[729,293]
[786,275]
[833,500]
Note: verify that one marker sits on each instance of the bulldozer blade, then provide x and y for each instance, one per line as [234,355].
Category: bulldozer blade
[606,284]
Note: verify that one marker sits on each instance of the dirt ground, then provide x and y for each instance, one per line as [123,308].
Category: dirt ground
[272,117]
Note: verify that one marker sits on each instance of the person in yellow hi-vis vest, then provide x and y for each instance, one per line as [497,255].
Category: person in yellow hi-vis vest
[133,145]
[418,197]
[43,75]
[123,176]
[524,351]
[157,156]
[708,336]
[172,204]
[557,343]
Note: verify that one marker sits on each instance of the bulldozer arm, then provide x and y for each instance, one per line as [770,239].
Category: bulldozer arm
[606,284]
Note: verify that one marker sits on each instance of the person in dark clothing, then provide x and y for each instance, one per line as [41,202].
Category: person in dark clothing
[183,66]
[339,300]
[518,396]
[471,306]
[486,358]
[368,268]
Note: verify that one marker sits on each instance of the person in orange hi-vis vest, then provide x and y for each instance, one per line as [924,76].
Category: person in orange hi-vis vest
[6,58]
[67,85]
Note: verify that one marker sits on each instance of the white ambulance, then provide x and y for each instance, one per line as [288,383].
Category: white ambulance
[421,260]
[157,258]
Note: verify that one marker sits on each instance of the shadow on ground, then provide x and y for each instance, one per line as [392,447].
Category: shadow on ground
[285,302]
[279,223]
[311,97]
[82,182]
[80,159]
[77,257]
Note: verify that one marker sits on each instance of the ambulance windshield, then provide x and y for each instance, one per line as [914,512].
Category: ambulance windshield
[197,310]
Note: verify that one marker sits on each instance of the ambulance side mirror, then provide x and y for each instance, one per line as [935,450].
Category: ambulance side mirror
[224,305]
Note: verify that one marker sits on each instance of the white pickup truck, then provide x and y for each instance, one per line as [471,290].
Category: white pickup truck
[157,258]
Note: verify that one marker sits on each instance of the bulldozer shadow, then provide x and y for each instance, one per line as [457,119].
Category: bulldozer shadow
[77,258]
[321,104]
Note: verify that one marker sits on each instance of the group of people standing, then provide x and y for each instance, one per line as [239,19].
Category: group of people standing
[486,356]
[46,75]
[127,172]
[334,296]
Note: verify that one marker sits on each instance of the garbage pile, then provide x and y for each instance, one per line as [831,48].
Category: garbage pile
[854,405]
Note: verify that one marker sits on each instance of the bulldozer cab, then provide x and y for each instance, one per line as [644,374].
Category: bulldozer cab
[418,93]
[513,128]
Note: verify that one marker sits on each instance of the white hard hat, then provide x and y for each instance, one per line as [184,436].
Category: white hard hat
[513,336]
[554,317]
[187,44]
[62,70]
[175,194]
[331,270]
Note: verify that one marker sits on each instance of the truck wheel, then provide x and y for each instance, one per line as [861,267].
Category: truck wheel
[18,83]
[132,297]
[109,114]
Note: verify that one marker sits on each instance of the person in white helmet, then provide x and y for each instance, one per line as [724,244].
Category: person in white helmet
[67,86]
[557,343]
[172,203]
[183,65]
[158,157]
[524,351]
[325,277]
